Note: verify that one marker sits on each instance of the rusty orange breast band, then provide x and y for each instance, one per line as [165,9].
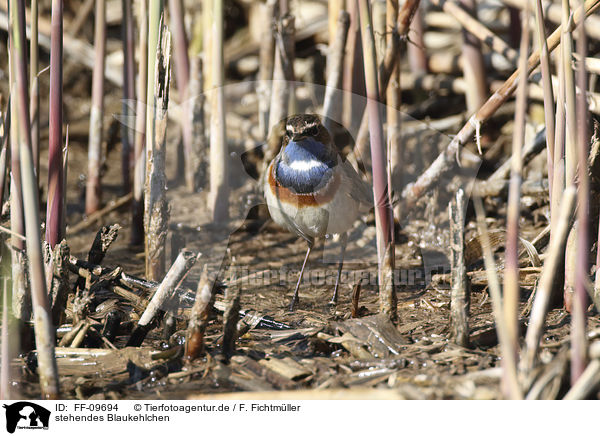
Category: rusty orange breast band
[312,199]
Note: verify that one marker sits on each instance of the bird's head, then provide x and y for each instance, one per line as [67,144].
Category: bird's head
[306,138]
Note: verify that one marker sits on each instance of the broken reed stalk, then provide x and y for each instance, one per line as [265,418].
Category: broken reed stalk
[21,301]
[139,155]
[383,210]
[509,362]
[219,171]
[378,17]
[283,71]
[230,321]
[34,83]
[476,28]
[201,310]
[194,161]
[266,55]
[165,291]
[460,295]
[447,159]
[332,107]
[43,327]
[548,94]
[473,67]
[127,136]
[58,287]
[156,209]
[543,292]
[511,270]
[182,74]
[93,187]
[580,300]
[55,229]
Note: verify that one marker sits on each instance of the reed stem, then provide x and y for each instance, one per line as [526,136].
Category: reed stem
[93,192]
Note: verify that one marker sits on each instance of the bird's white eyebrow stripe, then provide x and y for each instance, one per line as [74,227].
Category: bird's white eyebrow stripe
[305,165]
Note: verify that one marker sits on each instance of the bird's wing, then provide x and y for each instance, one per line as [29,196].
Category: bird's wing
[360,190]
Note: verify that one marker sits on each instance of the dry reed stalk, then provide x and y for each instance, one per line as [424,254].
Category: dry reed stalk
[42,320]
[558,183]
[417,57]
[460,295]
[548,93]
[184,262]
[332,107]
[207,45]
[511,270]
[393,99]
[21,301]
[265,68]
[580,299]
[568,76]
[127,133]
[447,159]
[569,84]
[4,137]
[219,180]
[354,78]
[509,363]
[478,29]
[34,83]
[58,286]
[54,225]
[93,188]
[156,209]
[5,348]
[83,12]
[205,297]
[230,321]
[383,211]
[194,161]
[473,68]
[77,50]
[587,384]
[282,91]
[378,16]
[139,158]
[182,73]
[553,12]
[543,292]
[392,53]
[333,12]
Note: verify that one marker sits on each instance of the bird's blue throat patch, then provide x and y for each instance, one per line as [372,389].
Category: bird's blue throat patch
[305,165]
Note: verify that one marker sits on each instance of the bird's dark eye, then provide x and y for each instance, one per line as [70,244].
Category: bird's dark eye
[288,133]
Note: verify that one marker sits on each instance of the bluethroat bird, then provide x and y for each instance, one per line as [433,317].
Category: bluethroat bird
[311,191]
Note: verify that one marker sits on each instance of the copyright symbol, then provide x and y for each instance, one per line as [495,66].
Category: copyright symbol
[137,407]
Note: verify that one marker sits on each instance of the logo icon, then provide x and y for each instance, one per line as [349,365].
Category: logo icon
[26,415]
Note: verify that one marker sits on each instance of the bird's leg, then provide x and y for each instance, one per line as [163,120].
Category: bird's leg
[295,297]
[343,242]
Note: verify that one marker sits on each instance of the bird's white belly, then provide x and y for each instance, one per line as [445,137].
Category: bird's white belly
[334,217]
